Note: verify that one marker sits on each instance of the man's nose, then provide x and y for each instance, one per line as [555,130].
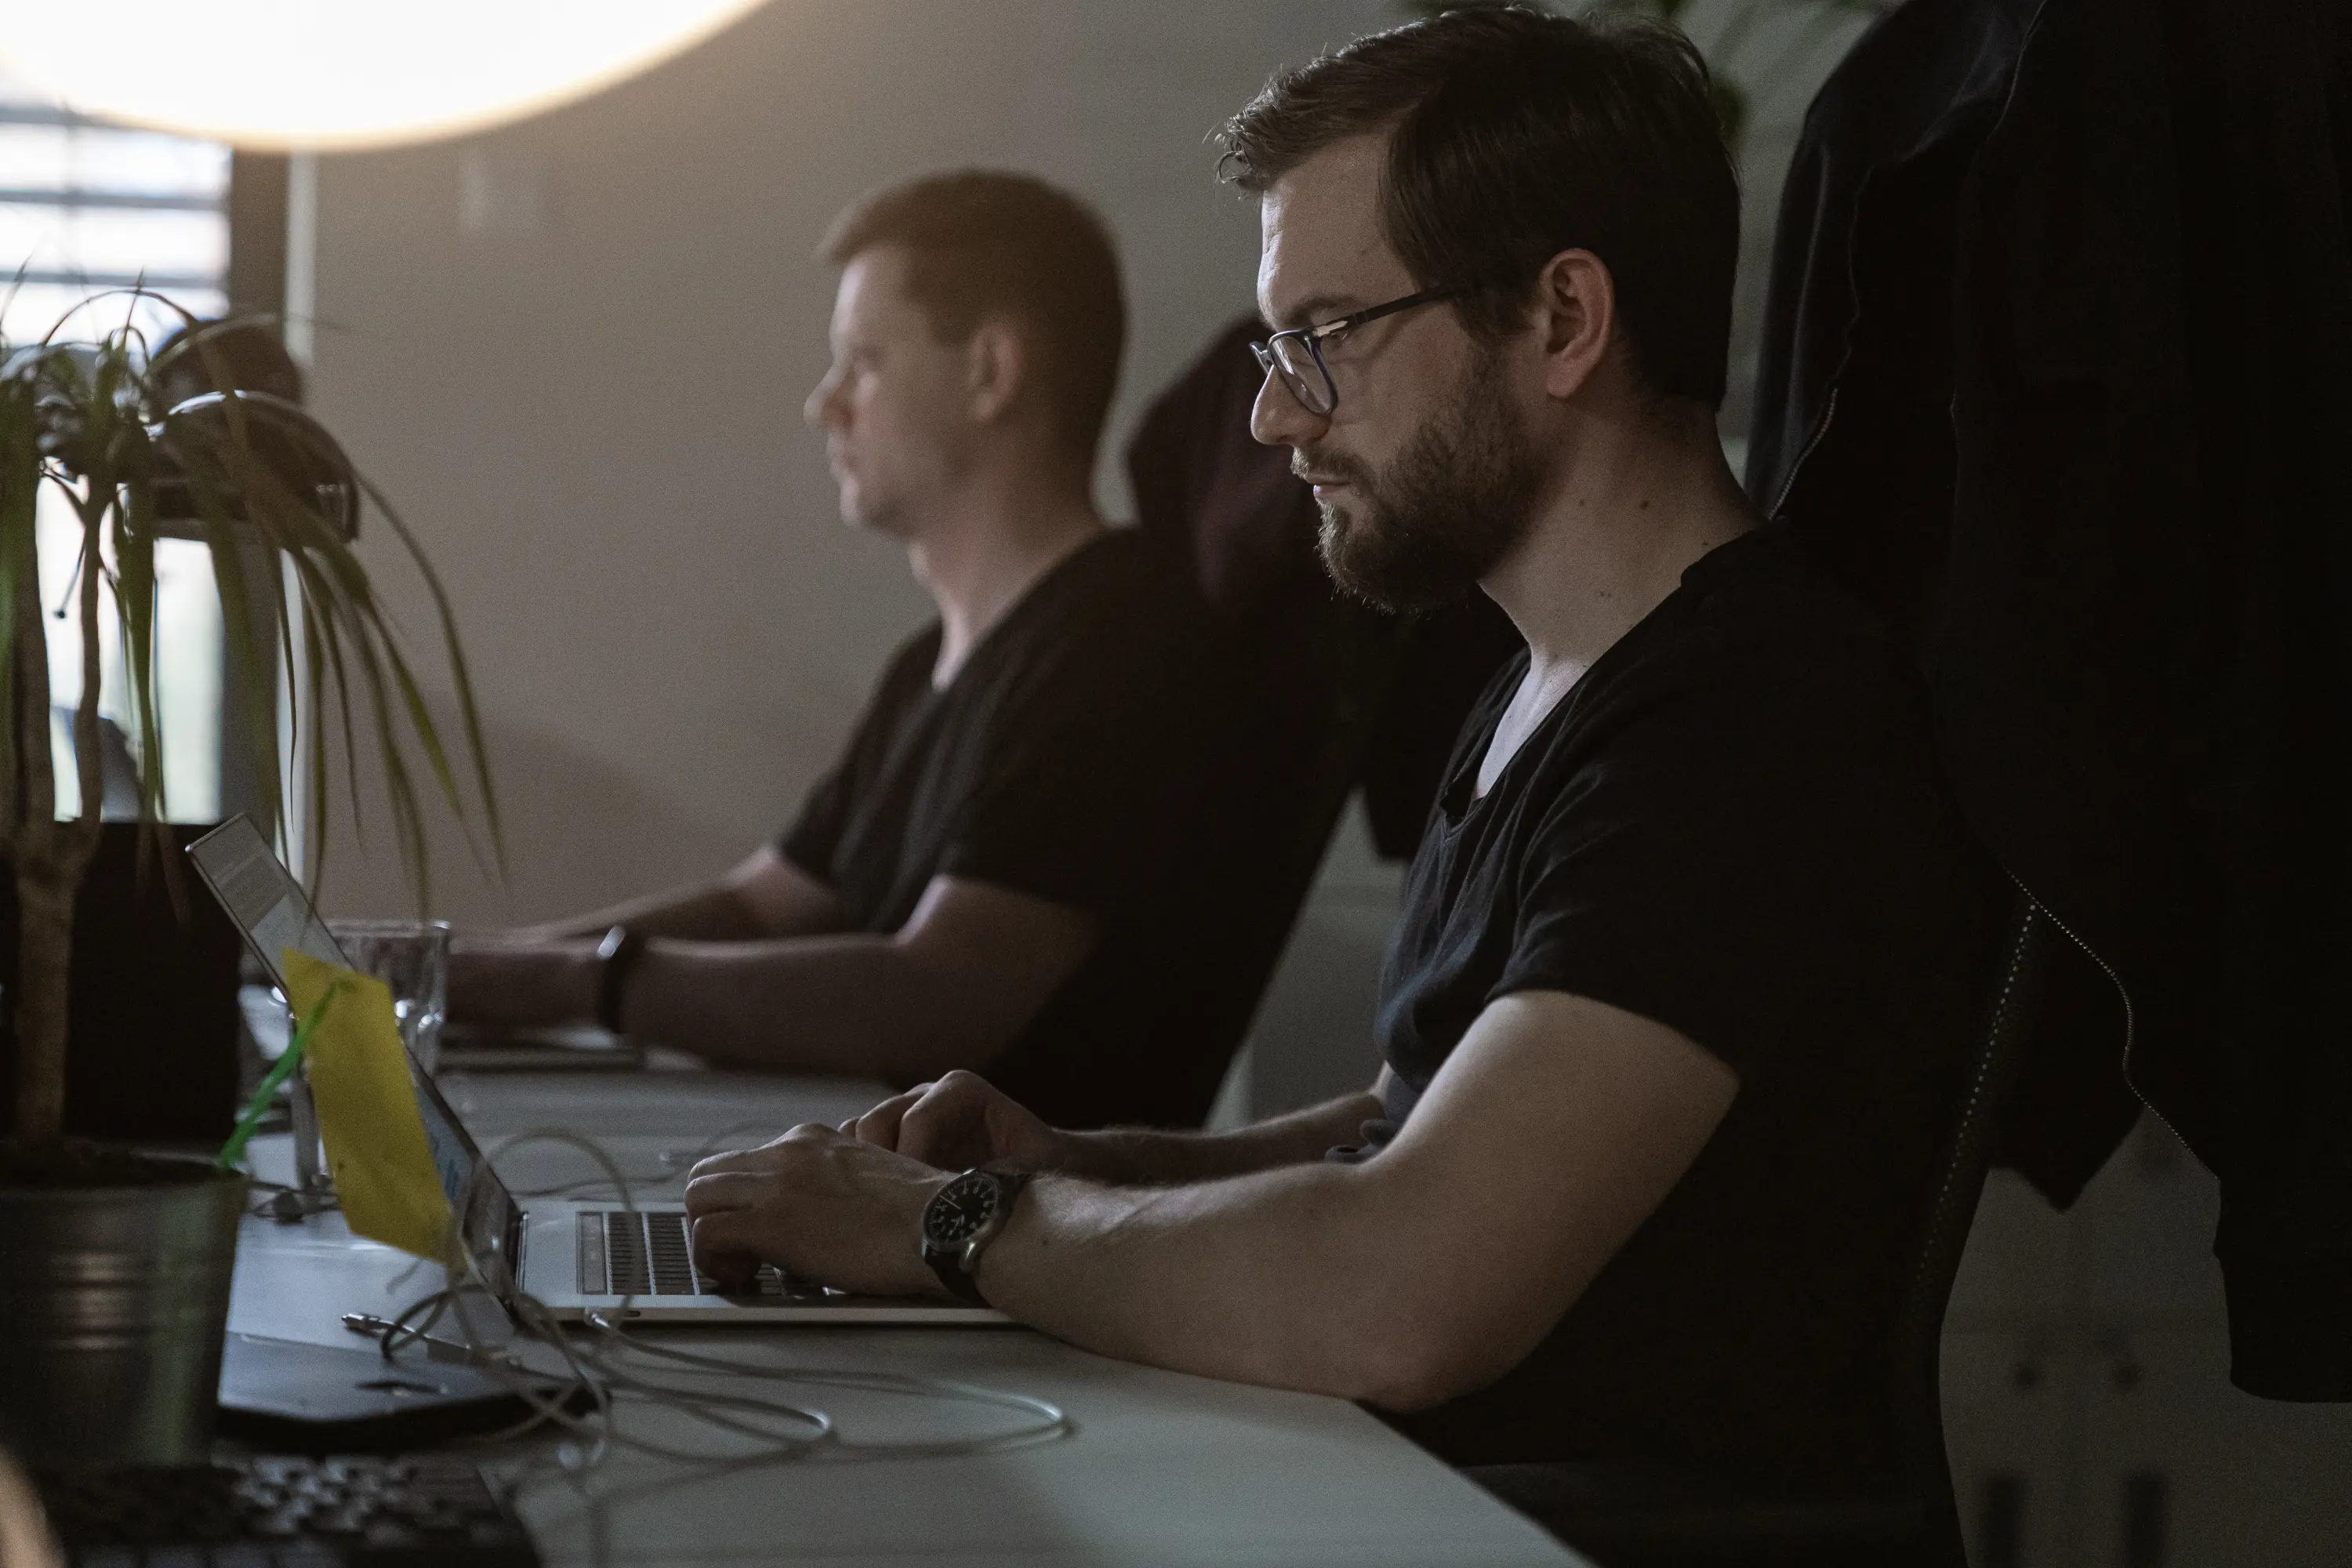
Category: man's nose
[1279,419]
[819,401]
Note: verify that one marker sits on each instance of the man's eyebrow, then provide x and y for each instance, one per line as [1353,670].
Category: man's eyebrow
[1315,309]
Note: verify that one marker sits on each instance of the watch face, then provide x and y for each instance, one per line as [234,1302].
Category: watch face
[963,1206]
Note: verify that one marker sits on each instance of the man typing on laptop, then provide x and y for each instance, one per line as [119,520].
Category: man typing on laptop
[571,1259]
[992,876]
[1695,941]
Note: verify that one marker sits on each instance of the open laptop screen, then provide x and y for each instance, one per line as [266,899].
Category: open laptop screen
[492,1227]
[269,907]
[262,897]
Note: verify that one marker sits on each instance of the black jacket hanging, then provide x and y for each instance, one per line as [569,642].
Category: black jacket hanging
[2056,369]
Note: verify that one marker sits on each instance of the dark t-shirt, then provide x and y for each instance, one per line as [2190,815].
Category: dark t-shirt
[1060,762]
[1733,825]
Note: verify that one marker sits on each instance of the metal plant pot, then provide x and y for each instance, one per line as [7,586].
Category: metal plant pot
[113,1301]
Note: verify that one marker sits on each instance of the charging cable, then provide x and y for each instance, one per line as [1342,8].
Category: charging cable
[608,1367]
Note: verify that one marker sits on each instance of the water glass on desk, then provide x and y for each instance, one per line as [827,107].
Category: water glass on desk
[412,958]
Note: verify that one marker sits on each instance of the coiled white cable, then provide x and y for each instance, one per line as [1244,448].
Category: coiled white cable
[595,1373]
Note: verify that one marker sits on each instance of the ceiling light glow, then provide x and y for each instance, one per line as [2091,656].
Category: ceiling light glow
[335,75]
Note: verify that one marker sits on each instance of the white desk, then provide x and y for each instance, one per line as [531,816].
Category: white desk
[1163,1467]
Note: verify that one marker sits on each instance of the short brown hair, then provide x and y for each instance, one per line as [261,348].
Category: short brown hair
[983,242]
[1515,134]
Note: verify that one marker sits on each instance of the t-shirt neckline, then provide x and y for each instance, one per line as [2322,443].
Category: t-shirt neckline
[1463,780]
[1021,609]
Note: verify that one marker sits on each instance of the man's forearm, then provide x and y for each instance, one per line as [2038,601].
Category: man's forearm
[712,912]
[549,975]
[1279,1277]
[1147,1156]
[767,896]
[1552,1133]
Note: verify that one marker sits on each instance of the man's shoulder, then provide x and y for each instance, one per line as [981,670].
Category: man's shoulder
[1128,569]
[1758,624]
[1762,669]
[1125,598]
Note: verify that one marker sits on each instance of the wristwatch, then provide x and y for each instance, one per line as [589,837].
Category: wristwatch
[961,1219]
[615,956]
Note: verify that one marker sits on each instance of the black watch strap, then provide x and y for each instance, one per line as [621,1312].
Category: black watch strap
[948,1266]
[615,956]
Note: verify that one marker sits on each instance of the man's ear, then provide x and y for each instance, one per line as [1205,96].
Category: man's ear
[996,365]
[1575,319]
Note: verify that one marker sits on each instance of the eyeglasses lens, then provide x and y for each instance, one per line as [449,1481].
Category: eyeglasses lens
[1295,363]
[1302,374]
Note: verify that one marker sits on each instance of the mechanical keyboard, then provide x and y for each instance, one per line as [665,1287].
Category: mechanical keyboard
[421,1510]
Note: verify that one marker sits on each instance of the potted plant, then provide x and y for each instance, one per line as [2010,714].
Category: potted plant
[116,1286]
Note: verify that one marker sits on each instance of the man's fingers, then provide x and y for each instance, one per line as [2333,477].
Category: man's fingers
[880,1125]
[726,1246]
[948,1128]
[724,1190]
[773,1155]
[733,1160]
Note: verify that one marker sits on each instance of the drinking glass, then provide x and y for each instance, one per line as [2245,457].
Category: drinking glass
[412,958]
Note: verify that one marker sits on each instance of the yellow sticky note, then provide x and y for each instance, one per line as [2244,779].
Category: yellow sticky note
[376,1149]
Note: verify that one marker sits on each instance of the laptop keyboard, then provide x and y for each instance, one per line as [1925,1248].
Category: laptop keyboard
[642,1254]
[424,1510]
[650,1253]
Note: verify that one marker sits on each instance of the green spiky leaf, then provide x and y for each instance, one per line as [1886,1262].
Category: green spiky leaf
[89,420]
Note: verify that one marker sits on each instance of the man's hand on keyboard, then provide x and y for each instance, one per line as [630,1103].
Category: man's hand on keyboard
[962,1121]
[819,1204]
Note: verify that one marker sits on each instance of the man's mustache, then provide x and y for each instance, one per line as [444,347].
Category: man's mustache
[1313,465]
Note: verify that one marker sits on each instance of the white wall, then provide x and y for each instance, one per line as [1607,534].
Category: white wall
[573,353]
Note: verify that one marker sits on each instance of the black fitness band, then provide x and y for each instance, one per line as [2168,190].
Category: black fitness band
[615,956]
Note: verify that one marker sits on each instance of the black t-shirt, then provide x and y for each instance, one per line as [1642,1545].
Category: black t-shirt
[1733,825]
[1059,762]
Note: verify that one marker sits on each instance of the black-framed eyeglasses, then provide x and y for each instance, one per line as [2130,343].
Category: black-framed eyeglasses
[1297,354]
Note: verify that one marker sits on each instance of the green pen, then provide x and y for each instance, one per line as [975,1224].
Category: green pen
[258,1107]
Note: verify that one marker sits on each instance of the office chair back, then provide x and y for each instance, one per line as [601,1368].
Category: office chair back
[1951,1213]
[1314,668]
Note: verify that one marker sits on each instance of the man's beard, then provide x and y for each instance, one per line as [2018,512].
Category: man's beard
[1459,497]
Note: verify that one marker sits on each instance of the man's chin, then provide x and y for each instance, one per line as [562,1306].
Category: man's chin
[865,518]
[1370,568]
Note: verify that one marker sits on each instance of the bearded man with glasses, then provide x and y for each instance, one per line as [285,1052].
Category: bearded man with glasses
[1694,943]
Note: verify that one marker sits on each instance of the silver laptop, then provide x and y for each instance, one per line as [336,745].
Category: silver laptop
[575,1258]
